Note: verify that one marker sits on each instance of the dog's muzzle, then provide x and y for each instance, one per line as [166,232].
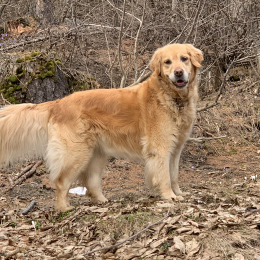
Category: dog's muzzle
[179,78]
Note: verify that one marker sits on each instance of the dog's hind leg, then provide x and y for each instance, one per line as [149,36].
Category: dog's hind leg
[66,160]
[92,178]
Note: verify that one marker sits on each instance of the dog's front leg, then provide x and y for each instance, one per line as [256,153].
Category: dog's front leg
[174,171]
[157,176]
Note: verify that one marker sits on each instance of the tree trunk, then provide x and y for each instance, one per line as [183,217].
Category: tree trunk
[44,11]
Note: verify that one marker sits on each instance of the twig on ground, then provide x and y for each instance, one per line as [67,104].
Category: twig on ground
[25,176]
[202,139]
[29,207]
[26,169]
[129,238]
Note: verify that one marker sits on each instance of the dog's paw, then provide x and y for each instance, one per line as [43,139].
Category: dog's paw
[64,208]
[171,197]
[99,200]
[179,198]
[183,194]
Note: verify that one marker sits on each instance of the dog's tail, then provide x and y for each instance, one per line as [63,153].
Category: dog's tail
[23,132]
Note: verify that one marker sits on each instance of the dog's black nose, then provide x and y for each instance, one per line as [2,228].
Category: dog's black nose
[178,72]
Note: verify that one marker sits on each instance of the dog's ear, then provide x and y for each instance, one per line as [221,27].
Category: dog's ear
[155,63]
[195,55]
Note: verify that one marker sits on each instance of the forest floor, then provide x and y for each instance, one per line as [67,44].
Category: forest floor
[218,219]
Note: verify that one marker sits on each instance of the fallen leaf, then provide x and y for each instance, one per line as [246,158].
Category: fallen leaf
[178,244]
[165,205]
[193,223]
[157,243]
[238,256]
[172,251]
[173,220]
[100,210]
[207,255]
[183,229]
[192,247]
[3,236]
[194,231]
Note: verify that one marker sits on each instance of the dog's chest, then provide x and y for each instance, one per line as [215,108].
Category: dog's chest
[181,117]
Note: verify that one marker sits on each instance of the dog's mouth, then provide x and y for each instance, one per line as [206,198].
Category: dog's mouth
[180,83]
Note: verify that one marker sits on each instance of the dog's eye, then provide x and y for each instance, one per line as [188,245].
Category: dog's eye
[168,62]
[184,59]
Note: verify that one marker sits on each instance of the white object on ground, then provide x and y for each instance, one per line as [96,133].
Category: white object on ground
[78,190]
[33,223]
[253,177]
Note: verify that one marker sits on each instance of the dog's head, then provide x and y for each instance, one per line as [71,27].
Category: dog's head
[177,64]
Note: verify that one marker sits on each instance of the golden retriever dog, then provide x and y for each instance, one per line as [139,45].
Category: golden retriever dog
[149,122]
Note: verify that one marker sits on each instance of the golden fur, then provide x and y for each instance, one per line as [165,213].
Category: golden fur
[148,122]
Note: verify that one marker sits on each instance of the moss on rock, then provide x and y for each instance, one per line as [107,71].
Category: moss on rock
[13,100]
[37,65]
[19,60]
[35,53]
[12,79]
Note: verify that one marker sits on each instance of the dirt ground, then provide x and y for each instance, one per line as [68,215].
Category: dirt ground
[218,219]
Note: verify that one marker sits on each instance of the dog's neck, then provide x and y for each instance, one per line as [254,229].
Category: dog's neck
[173,99]
[180,103]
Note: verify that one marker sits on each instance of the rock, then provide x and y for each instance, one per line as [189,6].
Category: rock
[47,89]
[36,77]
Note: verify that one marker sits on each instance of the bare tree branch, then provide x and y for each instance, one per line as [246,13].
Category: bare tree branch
[194,21]
[220,91]
[136,42]
[141,79]
[3,7]
[120,60]
[124,12]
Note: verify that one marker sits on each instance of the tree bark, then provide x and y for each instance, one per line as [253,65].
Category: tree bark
[44,11]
